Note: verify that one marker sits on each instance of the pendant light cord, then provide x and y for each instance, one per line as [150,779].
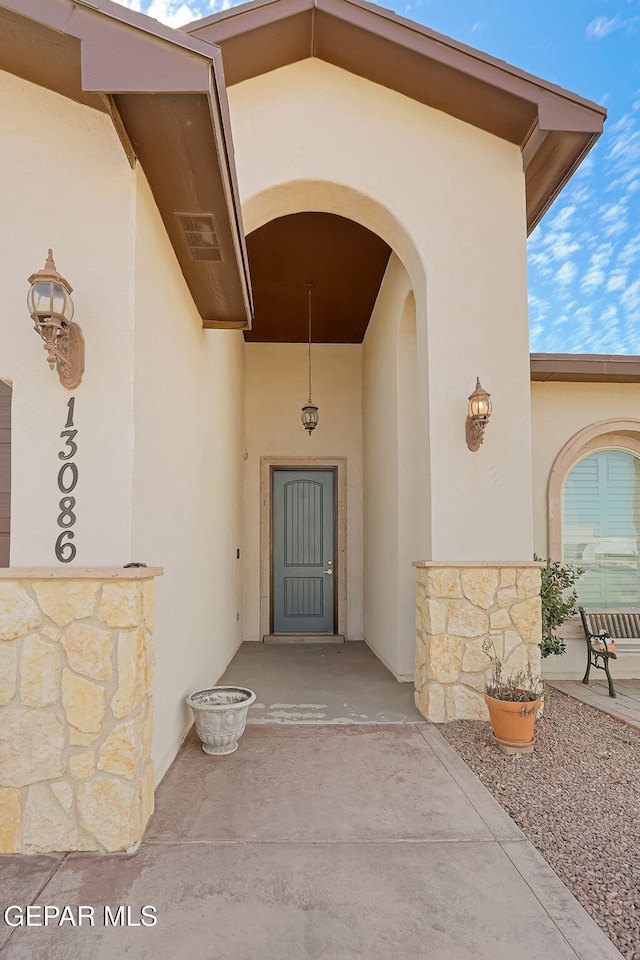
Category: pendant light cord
[309,286]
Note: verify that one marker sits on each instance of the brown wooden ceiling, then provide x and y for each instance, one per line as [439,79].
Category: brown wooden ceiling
[344,261]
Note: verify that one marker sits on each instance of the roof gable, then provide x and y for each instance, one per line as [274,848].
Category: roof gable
[554,129]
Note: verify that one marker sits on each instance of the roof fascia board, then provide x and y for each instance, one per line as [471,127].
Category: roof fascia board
[556,113]
[370,17]
[222,122]
[124,52]
[231,26]
[584,368]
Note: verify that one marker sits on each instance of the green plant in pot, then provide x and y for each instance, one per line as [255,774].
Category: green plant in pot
[513,702]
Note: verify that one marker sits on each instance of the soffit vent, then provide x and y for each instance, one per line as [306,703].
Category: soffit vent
[199,232]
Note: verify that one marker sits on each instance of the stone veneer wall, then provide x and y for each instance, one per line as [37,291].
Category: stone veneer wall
[76,721]
[458,607]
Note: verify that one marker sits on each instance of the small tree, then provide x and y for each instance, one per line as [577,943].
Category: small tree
[557,604]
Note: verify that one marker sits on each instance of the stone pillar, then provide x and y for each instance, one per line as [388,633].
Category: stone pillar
[76,721]
[458,606]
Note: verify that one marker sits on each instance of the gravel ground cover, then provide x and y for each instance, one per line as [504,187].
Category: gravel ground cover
[577,798]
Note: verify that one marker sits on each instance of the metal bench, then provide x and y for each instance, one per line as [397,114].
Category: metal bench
[601,628]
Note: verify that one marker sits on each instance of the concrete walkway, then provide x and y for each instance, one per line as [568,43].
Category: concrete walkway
[320,683]
[625,706]
[332,842]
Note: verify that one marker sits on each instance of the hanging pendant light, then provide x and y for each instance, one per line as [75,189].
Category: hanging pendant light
[309,411]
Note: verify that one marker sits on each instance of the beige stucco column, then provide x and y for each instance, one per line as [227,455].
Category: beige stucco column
[76,721]
[459,605]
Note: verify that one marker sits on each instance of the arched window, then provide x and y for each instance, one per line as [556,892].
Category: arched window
[601,526]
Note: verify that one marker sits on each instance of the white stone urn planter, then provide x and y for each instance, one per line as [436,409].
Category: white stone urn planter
[221,716]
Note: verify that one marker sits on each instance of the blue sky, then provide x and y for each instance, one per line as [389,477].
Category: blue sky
[584,257]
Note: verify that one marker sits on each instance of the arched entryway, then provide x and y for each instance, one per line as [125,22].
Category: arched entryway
[365,359]
[5,472]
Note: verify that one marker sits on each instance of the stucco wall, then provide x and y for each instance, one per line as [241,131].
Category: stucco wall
[559,411]
[74,193]
[450,201]
[390,476]
[187,477]
[276,387]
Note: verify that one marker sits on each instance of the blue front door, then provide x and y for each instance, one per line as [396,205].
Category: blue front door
[303,551]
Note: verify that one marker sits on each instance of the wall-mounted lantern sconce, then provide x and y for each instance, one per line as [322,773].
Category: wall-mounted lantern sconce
[478,416]
[51,308]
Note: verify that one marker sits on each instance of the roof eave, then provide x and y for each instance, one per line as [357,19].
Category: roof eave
[127,57]
[553,127]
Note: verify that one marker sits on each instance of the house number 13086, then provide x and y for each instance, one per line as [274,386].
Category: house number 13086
[67,480]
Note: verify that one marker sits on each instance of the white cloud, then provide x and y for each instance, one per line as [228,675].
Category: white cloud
[630,299]
[175,13]
[617,281]
[566,274]
[602,26]
[614,218]
[595,275]
[630,252]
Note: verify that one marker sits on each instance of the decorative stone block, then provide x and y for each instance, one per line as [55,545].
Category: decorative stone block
[476,602]
[466,620]
[443,582]
[479,584]
[19,614]
[10,820]
[147,731]
[82,765]
[47,826]
[8,672]
[529,582]
[110,810]
[499,619]
[120,604]
[57,654]
[445,656]
[120,752]
[463,703]
[84,703]
[508,577]
[475,658]
[31,746]
[88,650]
[507,596]
[434,613]
[67,600]
[149,604]
[527,619]
[40,670]
[64,793]
[132,673]
[430,701]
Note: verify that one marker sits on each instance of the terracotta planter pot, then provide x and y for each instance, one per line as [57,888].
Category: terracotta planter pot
[513,723]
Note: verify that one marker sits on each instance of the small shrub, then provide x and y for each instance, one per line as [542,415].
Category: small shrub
[557,604]
[519,687]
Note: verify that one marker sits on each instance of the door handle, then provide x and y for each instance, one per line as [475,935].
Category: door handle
[330,572]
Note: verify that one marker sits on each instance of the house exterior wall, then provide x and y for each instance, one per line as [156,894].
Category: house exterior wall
[276,387]
[559,411]
[65,183]
[450,201]
[389,579]
[187,477]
